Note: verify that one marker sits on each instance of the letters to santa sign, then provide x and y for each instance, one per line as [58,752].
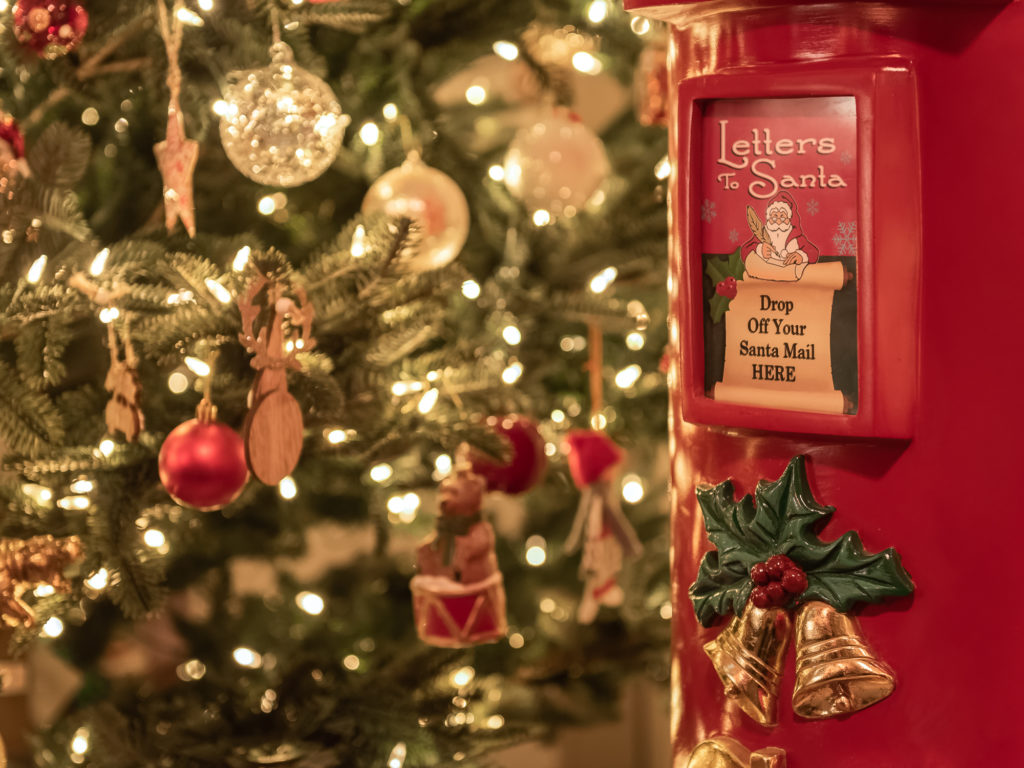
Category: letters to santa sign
[779,234]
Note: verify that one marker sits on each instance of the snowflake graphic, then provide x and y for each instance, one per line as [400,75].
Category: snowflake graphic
[707,210]
[846,158]
[845,238]
[812,207]
[734,236]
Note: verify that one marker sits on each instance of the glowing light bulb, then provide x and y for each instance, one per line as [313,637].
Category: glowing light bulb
[109,314]
[197,366]
[516,640]
[106,446]
[443,464]
[508,51]
[358,247]
[82,485]
[205,5]
[369,134]
[628,376]
[266,205]
[397,757]
[287,488]
[351,662]
[220,293]
[247,657]
[597,11]
[511,335]
[476,95]
[98,580]
[541,218]
[463,676]
[154,538]
[390,111]
[536,550]
[632,489]
[512,373]
[586,63]
[310,602]
[381,472]
[663,169]
[80,742]
[471,289]
[640,25]
[428,401]
[99,262]
[635,341]
[35,272]
[189,17]
[53,627]
[336,436]
[603,279]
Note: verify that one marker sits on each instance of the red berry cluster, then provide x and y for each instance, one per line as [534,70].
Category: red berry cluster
[776,581]
[727,288]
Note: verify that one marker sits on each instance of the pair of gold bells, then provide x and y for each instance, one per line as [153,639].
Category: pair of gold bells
[836,671]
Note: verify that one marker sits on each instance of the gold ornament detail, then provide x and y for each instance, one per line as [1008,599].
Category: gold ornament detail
[748,656]
[836,671]
[29,563]
[723,752]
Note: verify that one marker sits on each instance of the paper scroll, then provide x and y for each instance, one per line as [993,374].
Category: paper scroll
[778,339]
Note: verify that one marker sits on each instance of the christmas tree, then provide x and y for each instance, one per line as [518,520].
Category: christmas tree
[236,276]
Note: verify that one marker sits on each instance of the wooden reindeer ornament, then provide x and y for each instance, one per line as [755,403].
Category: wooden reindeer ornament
[275,328]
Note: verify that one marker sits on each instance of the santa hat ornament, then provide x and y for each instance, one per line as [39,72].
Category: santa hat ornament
[600,525]
[590,455]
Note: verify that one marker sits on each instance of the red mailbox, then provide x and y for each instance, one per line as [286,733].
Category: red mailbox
[846,184]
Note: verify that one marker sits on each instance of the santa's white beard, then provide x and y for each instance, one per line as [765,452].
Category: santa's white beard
[779,237]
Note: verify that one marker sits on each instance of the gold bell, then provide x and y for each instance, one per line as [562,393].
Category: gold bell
[836,672]
[748,656]
[724,752]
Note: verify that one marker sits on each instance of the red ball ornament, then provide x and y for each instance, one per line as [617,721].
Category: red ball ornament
[528,461]
[51,28]
[202,464]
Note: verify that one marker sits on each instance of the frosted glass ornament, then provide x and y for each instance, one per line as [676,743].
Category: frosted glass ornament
[433,201]
[282,125]
[555,165]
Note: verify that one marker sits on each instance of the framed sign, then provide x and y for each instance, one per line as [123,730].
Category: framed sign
[798,262]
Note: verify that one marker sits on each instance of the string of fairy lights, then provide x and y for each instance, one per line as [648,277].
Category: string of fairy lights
[402,505]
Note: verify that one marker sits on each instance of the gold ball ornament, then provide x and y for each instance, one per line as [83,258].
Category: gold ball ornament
[283,125]
[432,200]
[556,164]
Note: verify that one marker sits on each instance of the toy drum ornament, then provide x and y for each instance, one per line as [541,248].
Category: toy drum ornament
[453,615]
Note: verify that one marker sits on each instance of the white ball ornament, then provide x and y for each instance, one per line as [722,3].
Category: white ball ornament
[556,164]
[432,200]
[282,125]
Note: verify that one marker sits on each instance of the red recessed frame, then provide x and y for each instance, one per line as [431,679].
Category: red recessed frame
[866,174]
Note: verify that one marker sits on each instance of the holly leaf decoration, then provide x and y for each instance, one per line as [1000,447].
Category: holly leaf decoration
[785,519]
[719,267]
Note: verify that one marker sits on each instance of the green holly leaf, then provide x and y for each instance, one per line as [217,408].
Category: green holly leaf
[736,267]
[718,306]
[842,574]
[716,269]
[785,519]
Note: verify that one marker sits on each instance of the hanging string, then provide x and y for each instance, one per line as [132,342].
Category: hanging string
[595,365]
[171,32]
[275,24]
[206,411]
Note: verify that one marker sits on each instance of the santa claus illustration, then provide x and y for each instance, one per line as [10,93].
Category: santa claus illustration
[778,249]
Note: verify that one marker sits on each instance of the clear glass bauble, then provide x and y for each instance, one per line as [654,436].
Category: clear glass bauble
[283,125]
[433,201]
[555,165]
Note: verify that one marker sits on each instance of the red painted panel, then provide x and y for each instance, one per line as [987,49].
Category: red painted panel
[948,498]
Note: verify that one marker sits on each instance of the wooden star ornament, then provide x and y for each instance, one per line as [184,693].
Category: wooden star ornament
[176,156]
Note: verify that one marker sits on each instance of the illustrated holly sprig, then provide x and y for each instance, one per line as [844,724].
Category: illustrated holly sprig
[772,539]
[724,271]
